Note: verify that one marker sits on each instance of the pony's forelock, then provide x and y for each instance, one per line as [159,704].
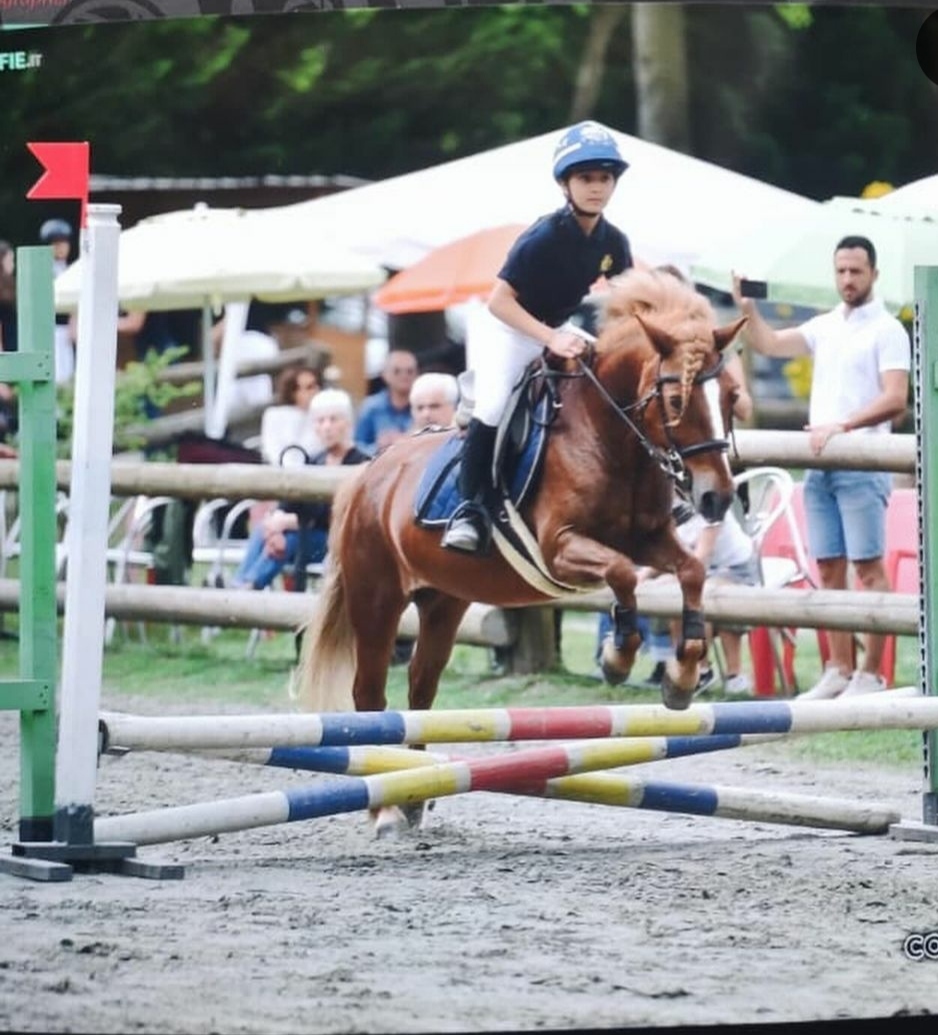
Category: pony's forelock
[673,302]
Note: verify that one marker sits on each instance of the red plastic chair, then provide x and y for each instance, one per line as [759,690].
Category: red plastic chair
[901,563]
[772,522]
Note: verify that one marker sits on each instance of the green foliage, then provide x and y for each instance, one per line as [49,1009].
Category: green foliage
[790,93]
[137,385]
[795,16]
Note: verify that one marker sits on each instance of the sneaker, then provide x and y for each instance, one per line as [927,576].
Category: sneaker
[831,684]
[738,686]
[655,678]
[864,683]
[706,679]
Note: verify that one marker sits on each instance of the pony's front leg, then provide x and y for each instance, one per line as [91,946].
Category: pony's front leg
[617,655]
[580,560]
[683,671]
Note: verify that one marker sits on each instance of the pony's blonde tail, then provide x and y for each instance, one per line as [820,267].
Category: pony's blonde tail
[323,678]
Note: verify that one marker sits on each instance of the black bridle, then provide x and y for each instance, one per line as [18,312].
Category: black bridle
[671,459]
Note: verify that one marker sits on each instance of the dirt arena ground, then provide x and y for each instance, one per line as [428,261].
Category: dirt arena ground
[502,914]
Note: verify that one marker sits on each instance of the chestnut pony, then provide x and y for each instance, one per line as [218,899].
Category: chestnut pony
[647,410]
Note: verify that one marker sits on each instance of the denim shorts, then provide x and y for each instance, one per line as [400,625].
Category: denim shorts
[845,513]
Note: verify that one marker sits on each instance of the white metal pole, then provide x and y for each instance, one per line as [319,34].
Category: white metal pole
[86,535]
[236,318]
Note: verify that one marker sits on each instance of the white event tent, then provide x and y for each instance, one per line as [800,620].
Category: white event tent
[672,206]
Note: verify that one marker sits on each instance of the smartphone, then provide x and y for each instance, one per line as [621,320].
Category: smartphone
[753,288]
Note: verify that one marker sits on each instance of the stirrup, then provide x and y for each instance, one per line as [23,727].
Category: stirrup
[468,530]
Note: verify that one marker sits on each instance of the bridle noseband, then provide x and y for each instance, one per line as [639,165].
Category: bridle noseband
[671,459]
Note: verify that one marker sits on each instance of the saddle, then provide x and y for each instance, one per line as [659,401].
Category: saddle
[520,444]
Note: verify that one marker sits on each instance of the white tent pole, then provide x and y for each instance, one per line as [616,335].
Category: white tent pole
[86,535]
[216,418]
[209,368]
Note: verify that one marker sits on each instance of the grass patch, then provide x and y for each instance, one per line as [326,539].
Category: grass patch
[898,748]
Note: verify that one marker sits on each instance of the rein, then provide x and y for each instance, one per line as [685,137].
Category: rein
[670,460]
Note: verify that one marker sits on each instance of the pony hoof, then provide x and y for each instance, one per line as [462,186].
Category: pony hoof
[389,823]
[613,676]
[673,697]
[414,815]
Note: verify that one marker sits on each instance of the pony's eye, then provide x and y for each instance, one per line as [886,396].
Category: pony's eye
[676,403]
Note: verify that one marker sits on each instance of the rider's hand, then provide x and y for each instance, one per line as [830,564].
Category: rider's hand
[566,344]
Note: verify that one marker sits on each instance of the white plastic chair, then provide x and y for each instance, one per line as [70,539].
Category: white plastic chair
[126,554]
[10,546]
[768,492]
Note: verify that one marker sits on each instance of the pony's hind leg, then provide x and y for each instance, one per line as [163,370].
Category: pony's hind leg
[375,616]
[376,621]
[440,616]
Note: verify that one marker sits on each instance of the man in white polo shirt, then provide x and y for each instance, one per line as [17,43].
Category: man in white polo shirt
[859,385]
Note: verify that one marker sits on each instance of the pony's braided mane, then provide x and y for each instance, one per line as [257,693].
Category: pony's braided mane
[672,304]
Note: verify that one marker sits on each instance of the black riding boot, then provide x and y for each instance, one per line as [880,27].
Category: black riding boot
[469,529]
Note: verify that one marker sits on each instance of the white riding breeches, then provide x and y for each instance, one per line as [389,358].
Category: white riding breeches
[502,354]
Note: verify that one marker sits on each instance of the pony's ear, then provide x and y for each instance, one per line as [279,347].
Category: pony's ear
[663,340]
[722,336]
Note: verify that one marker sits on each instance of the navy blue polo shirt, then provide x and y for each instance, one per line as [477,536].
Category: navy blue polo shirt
[553,263]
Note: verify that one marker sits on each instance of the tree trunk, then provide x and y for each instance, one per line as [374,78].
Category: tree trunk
[603,22]
[660,59]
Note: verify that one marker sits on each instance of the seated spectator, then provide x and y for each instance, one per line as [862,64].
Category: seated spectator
[289,421]
[433,400]
[385,415]
[296,533]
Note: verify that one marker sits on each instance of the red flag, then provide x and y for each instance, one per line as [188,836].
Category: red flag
[66,173]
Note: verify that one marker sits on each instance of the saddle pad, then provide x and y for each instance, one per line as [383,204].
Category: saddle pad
[438,493]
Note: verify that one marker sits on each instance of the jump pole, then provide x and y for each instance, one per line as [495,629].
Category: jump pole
[605,788]
[887,710]
[369,760]
[535,771]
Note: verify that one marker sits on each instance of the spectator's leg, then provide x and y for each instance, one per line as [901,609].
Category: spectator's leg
[253,553]
[873,577]
[827,544]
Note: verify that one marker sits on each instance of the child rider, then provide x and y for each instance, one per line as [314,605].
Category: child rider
[548,271]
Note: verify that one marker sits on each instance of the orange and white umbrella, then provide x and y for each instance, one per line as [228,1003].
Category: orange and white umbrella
[451,274]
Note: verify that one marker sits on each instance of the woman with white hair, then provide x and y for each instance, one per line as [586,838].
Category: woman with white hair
[297,533]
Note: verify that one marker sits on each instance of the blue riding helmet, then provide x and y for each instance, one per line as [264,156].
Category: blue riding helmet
[55,230]
[587,145]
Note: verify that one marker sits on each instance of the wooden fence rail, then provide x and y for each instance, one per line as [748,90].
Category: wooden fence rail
[528,632]
[894,453]
[486,625]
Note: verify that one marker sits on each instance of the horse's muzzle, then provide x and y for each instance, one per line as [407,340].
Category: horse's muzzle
[713,505]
